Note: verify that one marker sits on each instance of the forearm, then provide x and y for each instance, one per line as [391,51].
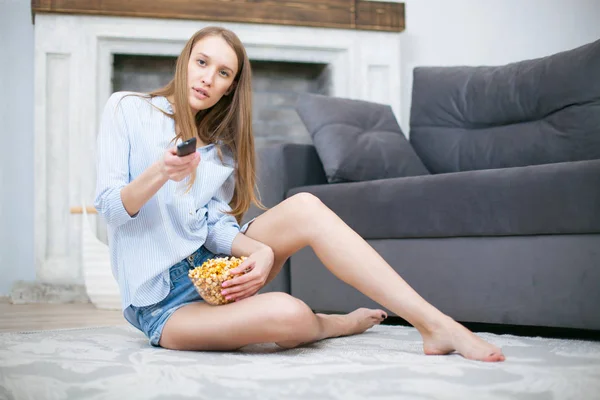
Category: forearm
[244,246]
[136,193]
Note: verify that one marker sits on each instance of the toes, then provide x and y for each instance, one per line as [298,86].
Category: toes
[495,356]
[376,315]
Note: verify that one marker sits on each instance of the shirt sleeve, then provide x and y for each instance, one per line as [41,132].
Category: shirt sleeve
[112,163]
[222,227]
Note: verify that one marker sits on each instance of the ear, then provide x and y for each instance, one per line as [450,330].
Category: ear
[231,88]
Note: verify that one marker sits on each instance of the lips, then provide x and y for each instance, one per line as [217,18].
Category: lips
[200,93]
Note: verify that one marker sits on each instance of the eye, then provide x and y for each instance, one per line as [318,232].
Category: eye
[201,62]
[224,73]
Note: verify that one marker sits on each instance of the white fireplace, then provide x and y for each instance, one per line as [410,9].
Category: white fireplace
[73,67]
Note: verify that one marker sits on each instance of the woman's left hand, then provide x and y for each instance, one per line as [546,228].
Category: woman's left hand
[259,265]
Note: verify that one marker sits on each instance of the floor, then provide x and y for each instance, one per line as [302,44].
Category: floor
[386,362]
[30,317]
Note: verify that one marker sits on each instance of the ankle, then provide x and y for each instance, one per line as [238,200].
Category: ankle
[433,325]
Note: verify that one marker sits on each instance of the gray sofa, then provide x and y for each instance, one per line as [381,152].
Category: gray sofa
[497,217]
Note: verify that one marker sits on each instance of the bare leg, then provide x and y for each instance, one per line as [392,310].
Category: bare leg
[306,221]
[269,317]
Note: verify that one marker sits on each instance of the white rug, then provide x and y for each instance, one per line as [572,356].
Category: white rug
[386,362]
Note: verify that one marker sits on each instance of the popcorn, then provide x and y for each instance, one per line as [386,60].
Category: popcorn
[209,277]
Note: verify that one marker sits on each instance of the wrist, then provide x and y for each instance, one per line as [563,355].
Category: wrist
[267,251]
[160,171]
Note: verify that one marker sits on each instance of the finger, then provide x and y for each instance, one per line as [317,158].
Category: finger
[246,296]
[171,157]
[187,165]
[246,266]
[178,170]
[239,280]
[186,170]
[189,158]
[242,289]
[247,293]
[238,288]
[175,160]
[187,161]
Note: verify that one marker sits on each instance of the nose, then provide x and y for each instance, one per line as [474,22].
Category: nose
[207,79]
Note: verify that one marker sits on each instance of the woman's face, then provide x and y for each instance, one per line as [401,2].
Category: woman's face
[211,70]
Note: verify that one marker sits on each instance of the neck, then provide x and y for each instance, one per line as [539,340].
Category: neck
[171,99]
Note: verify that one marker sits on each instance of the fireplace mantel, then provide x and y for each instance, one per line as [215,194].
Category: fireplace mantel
[341,14]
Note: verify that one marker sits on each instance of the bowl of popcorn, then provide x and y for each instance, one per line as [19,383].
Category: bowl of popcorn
[208,278]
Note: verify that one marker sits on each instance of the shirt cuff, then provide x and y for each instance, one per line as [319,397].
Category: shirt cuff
[221,241]
[113,211]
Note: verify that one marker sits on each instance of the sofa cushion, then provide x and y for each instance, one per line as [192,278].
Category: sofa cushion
[357,140]
[537,111]
[559,198]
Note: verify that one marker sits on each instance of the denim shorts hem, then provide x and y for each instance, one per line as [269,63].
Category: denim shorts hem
[157,332]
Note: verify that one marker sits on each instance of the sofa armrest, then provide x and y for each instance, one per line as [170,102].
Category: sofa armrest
[282,167]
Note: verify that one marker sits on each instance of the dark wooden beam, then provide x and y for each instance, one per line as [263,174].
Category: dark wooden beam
[343,14]
[371,15]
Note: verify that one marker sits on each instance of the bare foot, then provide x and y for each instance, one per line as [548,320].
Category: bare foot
[354,323]
[451,336]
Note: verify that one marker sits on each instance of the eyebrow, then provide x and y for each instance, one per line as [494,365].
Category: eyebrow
[207,56]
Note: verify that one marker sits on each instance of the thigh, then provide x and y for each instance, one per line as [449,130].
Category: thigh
[283,229]
[264,318]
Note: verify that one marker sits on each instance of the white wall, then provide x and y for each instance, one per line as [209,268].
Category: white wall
[490,32]
[16,131]
[439,32]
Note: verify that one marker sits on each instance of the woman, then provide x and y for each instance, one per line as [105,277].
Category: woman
[167,214]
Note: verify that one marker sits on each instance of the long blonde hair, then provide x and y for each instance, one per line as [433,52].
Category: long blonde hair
[229,122]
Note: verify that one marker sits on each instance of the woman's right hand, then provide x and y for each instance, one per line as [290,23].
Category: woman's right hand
[177,168]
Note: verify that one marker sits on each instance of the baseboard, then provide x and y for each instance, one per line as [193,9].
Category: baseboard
[38,292]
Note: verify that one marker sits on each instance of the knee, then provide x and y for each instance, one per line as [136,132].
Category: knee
[292,313]
[307,203]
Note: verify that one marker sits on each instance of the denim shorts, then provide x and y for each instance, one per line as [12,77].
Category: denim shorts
[152,318]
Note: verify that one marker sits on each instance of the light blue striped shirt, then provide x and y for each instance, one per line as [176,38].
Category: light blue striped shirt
[172,224]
